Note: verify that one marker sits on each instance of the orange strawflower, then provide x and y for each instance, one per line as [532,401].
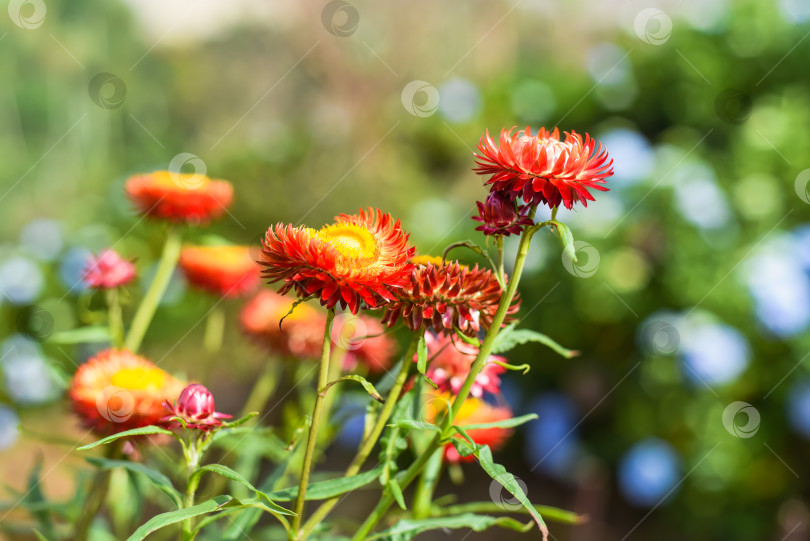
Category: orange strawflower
[179,197]
[118,390]
[543,169]
[473,411]
[440,297]
[301,333]
[363,340]
[361,258]
[226,271]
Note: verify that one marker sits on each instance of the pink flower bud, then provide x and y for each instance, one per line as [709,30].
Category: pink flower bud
[108,270]
[195,403]
[500,215]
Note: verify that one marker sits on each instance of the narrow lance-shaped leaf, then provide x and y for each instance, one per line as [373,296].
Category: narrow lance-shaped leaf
[407,529]
[91,335]
[359,379]
[329,489]
[510,337]
[506,423]
[143,431]
[173,517]
[566,238]
[499,474]
[228,473]
[159,480]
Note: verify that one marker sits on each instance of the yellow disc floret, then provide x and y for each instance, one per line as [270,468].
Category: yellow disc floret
[139,378]
[355,244]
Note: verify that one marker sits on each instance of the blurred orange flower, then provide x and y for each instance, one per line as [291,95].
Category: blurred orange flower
[543,169]
[118,390]
[227,271]
[440,297]
[362,258]
[179,197]
[301,333]
[473,411]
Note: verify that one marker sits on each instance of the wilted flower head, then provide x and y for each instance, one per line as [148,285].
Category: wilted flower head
[364,342]
[108,270]
[301,333]
[196,407]
[543,169]
[361,258]
[227,271]
[501,215]
[450,363]
[118,390]
[178,197]
[440,297]
[472,411]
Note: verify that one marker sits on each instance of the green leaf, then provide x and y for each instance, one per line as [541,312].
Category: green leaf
[93,335]
[35,497]
[421,354]
[143,431]
[499,474]
[228,473]
[549,513]
[396,492]
[173,517]
[525,367]
[359,379]
[472,340]
[240,421]
[506,423]
[236,505]
[39,535]
[510,337]
[329,489]
[158,479]
[566,238]
[408,528]
[413,424]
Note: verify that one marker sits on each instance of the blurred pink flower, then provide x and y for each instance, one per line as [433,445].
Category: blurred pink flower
[108,270]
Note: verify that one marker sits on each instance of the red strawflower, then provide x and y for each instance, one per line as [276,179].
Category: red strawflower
[363,340]
[118,390]
[440,297]
[472,411]
[196,407]
[301,333]
[360,259]
[500,217]
[227,271]
[108,270]
[450,363]
[543,169]
[180,198]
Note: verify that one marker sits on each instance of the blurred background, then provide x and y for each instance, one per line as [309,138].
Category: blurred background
[687,414]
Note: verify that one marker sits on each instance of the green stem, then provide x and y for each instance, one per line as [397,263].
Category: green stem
[114,319]
[214,330]
[423,496]
[501,272]
[193,455]
[335,369]
[415,468]
[312,438]
[97,495]
[146,310]
[368,443]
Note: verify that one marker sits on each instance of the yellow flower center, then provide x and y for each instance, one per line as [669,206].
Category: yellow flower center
[139,378]
[353,242]
[425,259]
